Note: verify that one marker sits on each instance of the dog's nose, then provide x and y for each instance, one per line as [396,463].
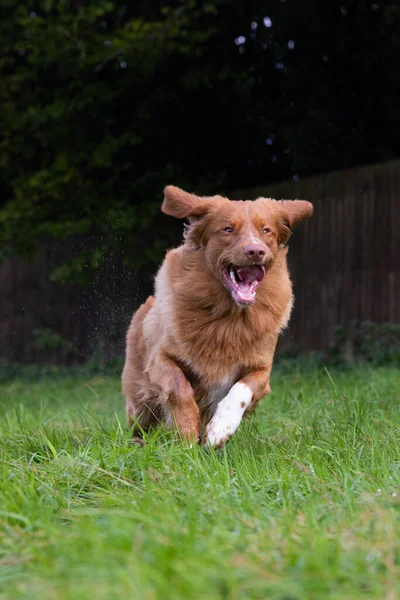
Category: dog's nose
[255,251]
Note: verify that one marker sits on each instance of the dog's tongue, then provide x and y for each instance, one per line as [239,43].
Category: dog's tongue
[249,274]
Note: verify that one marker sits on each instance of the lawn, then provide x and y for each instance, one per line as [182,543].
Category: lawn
[304,503]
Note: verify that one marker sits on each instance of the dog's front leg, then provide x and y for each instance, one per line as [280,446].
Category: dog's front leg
[230,410]
[176,396]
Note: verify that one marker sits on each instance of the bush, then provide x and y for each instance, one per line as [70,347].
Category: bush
[366,341]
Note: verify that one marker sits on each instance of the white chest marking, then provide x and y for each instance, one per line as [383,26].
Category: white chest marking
[228,415]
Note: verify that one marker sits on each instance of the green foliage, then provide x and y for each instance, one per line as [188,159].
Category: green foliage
[375,343]
[79,90]
[303,503]
[47,339]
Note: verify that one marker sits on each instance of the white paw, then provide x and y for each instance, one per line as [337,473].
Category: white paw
[219,432]
[228,415]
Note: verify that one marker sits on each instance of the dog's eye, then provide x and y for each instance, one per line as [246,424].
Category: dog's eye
[266,230]
[228,229]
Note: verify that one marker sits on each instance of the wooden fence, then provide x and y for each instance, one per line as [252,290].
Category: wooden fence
[345,264]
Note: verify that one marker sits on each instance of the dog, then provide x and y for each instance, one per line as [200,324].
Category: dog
[199,353]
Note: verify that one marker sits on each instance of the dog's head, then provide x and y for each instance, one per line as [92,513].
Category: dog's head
[240,239]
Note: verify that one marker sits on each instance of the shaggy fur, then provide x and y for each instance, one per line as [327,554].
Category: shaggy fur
[221,300]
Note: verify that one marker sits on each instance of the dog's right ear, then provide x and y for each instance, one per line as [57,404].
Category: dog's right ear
[180,204]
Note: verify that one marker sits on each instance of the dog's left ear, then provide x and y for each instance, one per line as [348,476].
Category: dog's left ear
[294,211]
[291,213]
[180,204]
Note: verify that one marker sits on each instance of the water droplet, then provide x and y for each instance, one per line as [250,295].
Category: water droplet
[32,14]
[291,44]
[253,25]
[123,64]
[267,22]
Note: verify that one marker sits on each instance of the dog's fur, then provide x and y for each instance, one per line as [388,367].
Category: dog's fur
[199,353]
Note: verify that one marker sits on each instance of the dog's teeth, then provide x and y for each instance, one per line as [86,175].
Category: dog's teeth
[232,275]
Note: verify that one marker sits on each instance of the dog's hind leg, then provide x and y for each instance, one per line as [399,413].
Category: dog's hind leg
[176,397]
[142,415]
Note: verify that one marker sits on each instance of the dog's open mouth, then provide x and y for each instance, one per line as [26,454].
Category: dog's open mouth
[243,282]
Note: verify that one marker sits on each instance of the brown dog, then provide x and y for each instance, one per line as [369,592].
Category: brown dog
[199,354]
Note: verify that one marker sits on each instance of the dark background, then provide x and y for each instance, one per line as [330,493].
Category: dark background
[104,103]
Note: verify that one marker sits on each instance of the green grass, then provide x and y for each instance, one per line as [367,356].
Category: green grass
[304,502]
